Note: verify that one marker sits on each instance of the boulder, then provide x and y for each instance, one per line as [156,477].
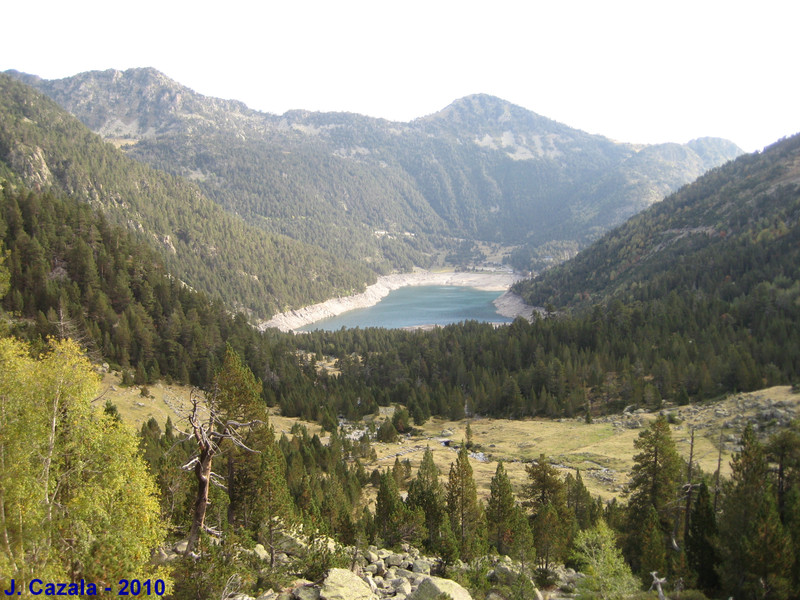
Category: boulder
[261,552]
[504,574]
[421,566]
[342,584]
[394,560]
[291,543]
[431,587]
[381,566]
[306,592]
[163,557]
[402,586]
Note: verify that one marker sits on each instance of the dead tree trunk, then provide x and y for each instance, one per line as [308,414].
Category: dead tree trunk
[202,471]
[204,436]
[209,435]
[689,486]
[657,583]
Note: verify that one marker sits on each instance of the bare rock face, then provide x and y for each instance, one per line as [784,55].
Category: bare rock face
[30,161]
[431,587]
[342,584]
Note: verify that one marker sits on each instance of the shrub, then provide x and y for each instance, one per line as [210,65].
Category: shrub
[545,578]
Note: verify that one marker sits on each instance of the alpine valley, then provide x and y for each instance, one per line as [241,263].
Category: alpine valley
[378,195]
[639,431]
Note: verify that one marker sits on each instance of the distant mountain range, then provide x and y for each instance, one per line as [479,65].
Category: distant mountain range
[383,194]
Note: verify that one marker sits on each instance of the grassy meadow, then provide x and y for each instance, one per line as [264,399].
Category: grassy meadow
[602,450]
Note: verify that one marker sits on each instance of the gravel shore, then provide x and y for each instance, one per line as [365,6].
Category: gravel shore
[508,305]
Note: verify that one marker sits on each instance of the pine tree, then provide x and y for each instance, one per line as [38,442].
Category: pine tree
[388,508]
[500,510]
[701,553]
[447,544]
[274,506]
[792,525]
[427,493]
[783,449]
[580,502]
[655,481]
[656,472]
[386,432]
[756,554]
[521,546]
[544,486]
[237,395]
[397,472]
[652,549]
[231,407]
[466,513]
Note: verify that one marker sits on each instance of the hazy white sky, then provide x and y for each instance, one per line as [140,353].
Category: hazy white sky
[636,71]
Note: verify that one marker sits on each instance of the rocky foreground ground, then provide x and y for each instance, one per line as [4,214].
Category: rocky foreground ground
[378,574]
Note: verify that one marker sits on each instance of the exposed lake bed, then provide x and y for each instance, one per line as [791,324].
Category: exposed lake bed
[506,305]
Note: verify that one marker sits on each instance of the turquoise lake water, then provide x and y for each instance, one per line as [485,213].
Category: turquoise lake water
[419,305]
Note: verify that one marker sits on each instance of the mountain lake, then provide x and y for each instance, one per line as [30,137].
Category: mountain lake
[417,306]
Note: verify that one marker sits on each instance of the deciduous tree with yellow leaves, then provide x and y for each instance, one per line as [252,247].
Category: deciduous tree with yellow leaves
[76,499]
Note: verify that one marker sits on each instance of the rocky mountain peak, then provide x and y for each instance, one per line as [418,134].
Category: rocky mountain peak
[485,112]
[135,103]
[480,168]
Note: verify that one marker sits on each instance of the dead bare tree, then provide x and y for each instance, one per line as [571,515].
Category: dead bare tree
[657,583]
[688,488]
[209,430]
[717,488]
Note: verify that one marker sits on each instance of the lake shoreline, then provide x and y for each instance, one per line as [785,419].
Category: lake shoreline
[508,305]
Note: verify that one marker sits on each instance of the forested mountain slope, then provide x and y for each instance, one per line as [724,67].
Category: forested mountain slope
[481,169]
[734,230]
[72,273]
[212,250]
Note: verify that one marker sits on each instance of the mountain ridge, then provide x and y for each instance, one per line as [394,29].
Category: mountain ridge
[745,208]
[43,146]
[481,168]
